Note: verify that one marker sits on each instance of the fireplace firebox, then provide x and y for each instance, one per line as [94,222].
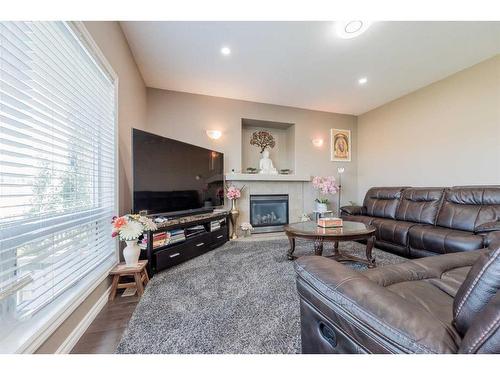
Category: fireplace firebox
[268,213]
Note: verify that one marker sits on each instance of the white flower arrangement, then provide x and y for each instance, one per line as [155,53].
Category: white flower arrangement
[246,226]
[131,227]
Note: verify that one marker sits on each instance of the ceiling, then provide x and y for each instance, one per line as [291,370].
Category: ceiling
[305,64]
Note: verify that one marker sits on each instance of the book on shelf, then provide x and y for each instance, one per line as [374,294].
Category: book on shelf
[160,239]
[216,224]
[193,231]
[176,236]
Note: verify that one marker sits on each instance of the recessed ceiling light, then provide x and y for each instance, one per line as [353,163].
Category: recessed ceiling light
[362,80]
[226,51]
[351,29]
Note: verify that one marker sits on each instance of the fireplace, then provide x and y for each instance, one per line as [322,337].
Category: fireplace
[268,213]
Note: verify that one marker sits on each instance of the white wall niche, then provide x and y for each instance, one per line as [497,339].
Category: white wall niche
[282,155]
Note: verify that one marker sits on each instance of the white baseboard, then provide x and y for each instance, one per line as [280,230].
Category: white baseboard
[70,341]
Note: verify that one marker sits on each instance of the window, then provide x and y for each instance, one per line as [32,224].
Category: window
[57,165]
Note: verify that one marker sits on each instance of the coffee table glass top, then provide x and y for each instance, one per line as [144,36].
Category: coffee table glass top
[310,228]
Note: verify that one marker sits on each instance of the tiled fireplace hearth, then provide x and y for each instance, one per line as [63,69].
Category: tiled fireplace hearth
[268,212]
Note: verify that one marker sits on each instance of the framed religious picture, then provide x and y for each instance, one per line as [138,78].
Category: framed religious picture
[340,145]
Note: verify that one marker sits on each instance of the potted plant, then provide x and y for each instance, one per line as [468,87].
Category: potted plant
[325,186]
[129,228]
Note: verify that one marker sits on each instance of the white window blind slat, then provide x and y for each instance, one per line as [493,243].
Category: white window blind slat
[70,74]
[39,47]
[35,253]
[57,166]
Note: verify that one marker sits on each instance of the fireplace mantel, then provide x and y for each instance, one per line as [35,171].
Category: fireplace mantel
[264,177]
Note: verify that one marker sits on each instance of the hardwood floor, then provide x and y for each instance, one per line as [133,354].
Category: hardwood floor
[105,332]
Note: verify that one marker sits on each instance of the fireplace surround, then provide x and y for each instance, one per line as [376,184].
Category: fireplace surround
[268,212]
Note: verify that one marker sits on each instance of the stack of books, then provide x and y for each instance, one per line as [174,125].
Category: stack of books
[214,225]
[176,235]
[160,239]
[329,222]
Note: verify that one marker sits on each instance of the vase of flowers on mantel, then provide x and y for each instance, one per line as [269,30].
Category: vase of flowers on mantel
[233,194]
[129,228]
[325,186]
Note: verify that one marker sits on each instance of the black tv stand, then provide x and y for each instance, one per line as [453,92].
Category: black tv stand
[163,257]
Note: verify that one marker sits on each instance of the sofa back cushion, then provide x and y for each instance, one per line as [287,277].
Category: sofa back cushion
[483,337]
[480,285]
[420,205]
[467,207]
[382,201]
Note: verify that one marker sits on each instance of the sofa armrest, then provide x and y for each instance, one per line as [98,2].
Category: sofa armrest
[352,210]
[487,227]
[422,268]
[379,319]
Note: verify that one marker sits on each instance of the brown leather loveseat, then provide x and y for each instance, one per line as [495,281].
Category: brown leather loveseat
[444,304]
[417,222]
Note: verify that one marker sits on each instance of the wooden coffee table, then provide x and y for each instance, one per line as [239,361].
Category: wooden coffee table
[350,231]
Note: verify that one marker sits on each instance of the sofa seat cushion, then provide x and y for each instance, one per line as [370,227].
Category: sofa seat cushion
[450,281]
[446,272]
[432,283]
[442,240]
[431,298]
[393,231]
[359,219]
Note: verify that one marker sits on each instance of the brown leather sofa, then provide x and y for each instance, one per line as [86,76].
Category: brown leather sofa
[444,304]
[418,222]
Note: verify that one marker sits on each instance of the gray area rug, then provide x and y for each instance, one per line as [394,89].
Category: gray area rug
[239,298]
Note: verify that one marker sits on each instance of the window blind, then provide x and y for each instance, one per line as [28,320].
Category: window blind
[57,165]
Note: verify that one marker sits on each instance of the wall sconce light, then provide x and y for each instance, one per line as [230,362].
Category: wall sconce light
[317,142]
[214,134]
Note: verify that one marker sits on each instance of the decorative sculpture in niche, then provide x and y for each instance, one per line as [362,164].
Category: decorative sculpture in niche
[264,140]
[266,165]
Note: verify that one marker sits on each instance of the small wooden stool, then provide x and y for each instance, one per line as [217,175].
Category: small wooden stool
[140,276]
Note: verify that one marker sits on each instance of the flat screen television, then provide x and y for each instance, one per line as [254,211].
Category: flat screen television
[173,177]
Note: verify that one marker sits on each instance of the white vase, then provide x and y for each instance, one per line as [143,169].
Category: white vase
[321,207]
[131,253]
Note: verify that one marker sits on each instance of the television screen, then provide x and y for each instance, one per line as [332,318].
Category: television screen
[173,177]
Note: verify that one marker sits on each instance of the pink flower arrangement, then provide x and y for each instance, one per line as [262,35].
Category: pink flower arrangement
[233,193]
[325,185]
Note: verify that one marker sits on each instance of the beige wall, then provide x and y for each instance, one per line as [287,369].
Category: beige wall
[131,113]
[445,134]
[131,98]
[186,117]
